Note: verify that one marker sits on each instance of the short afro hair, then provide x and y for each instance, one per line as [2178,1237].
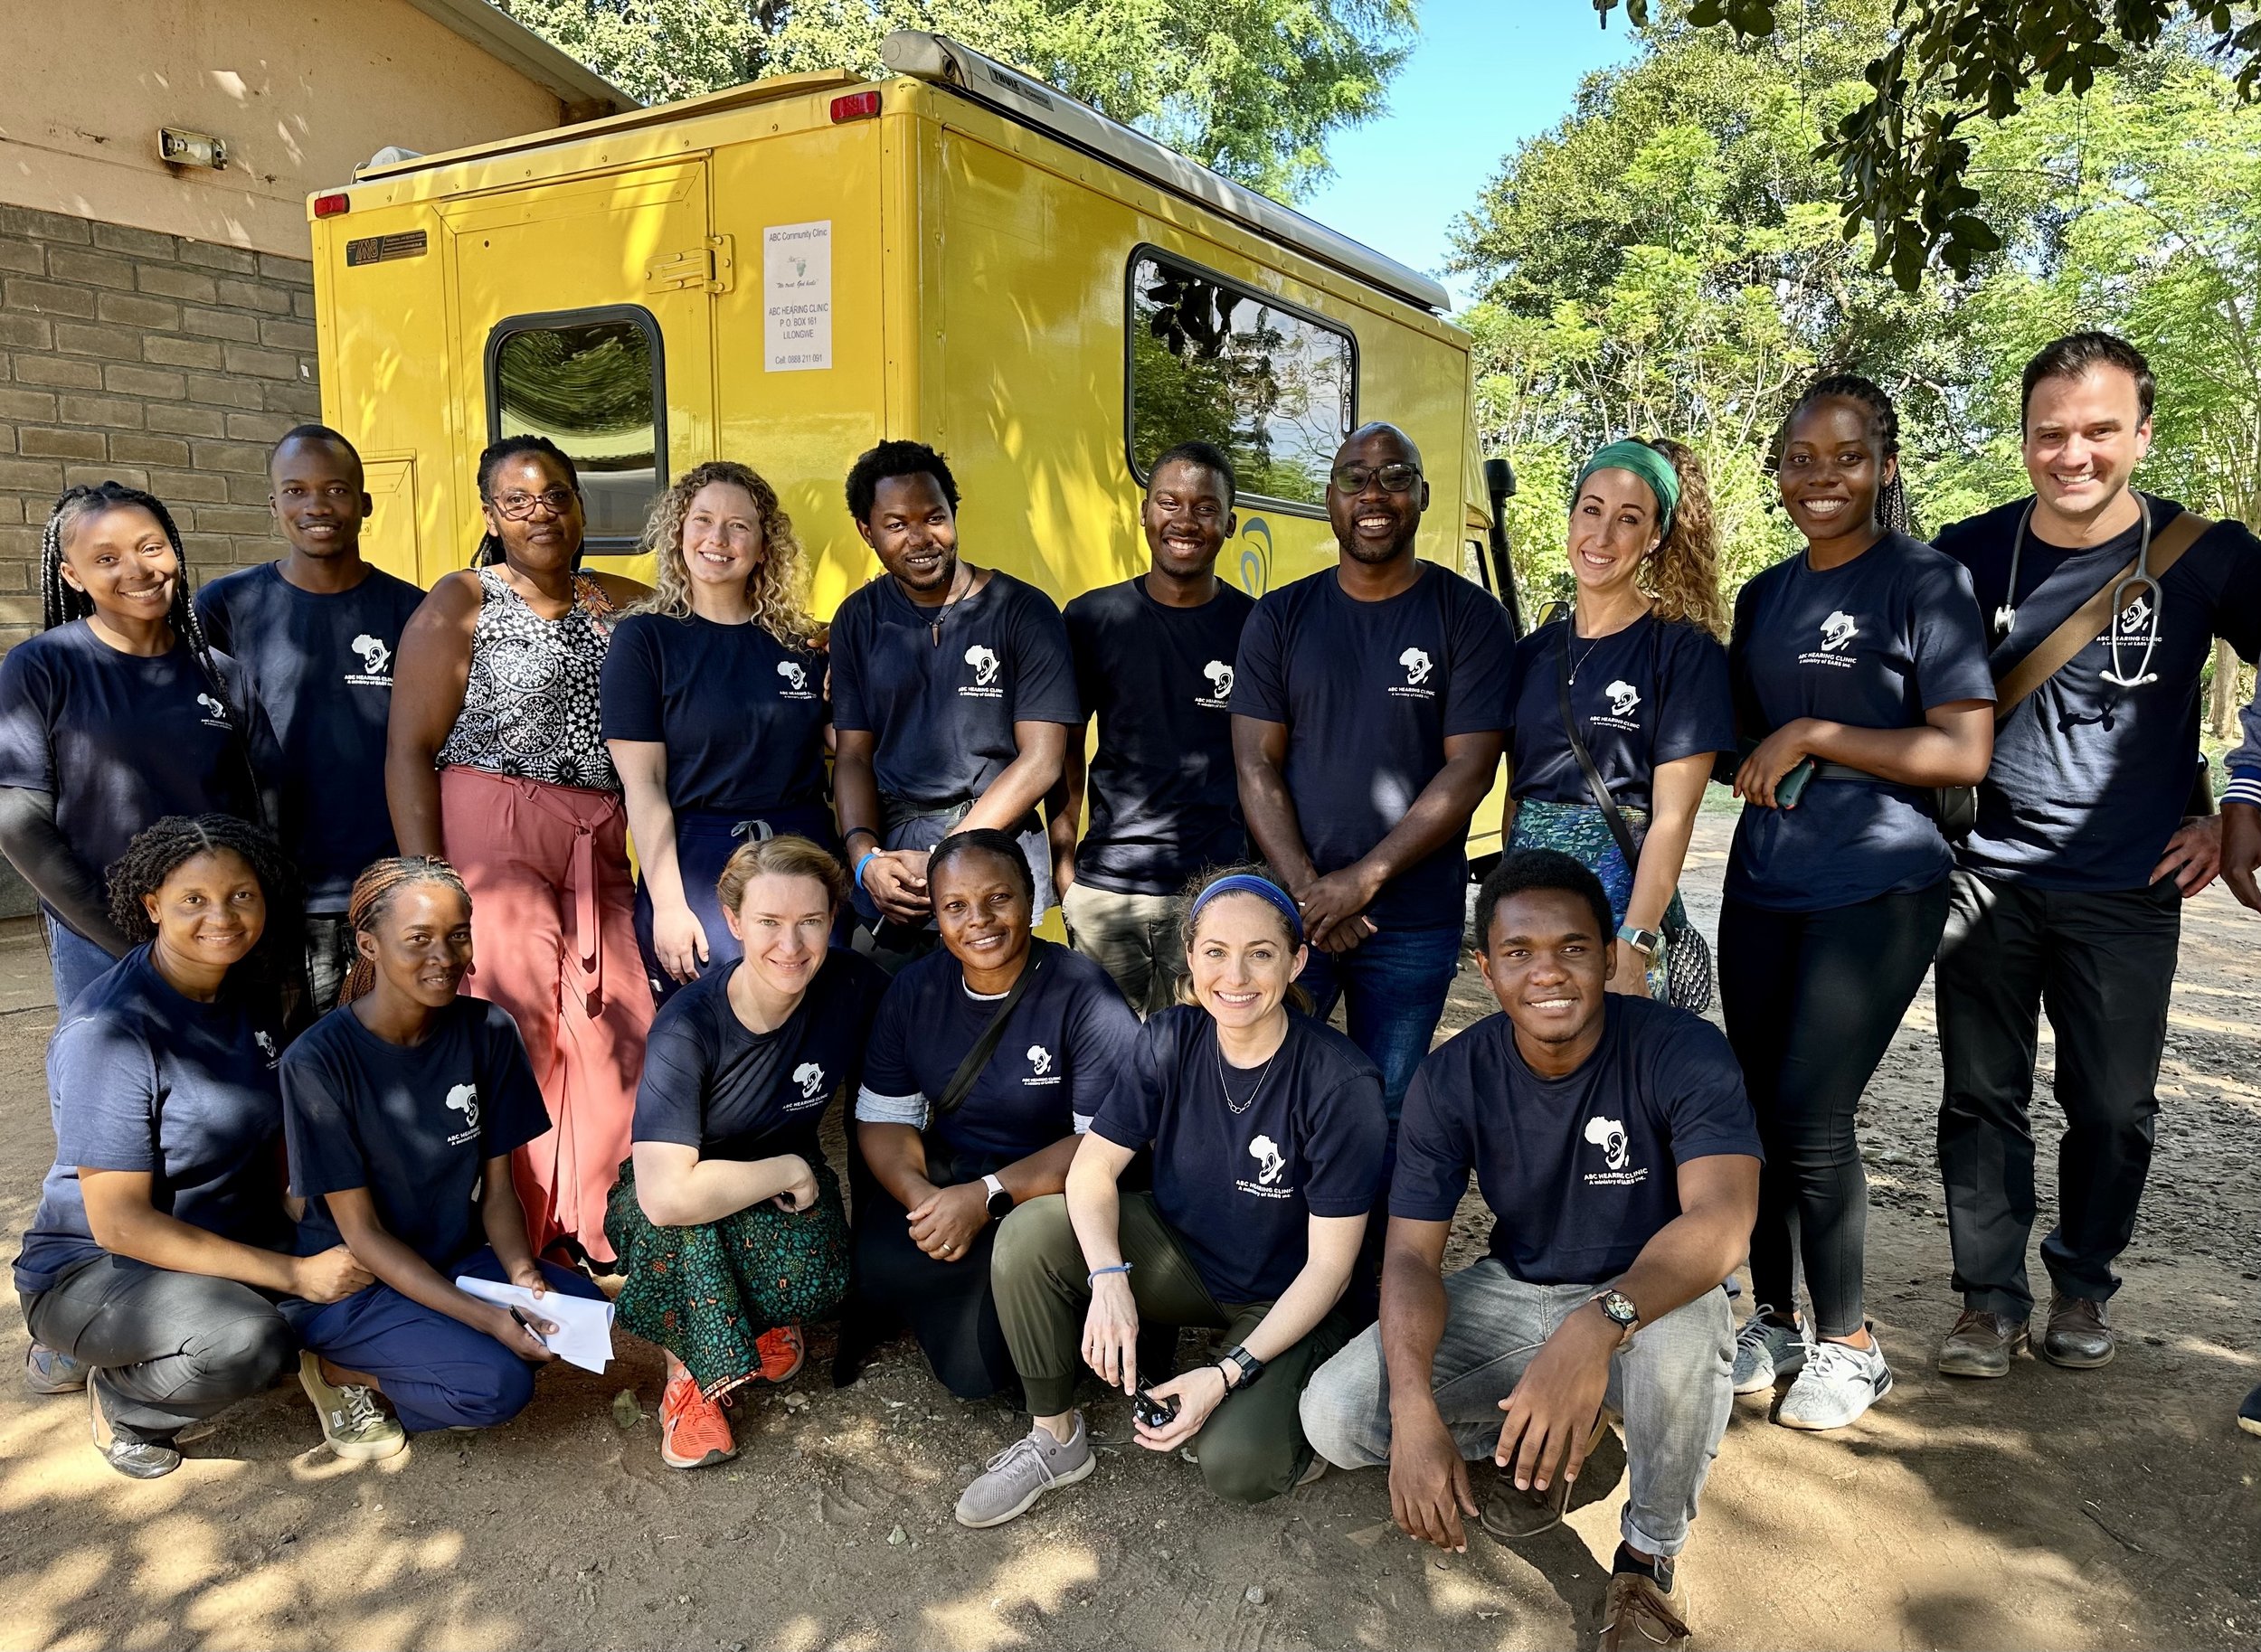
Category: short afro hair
[895,459]
[1523,870]
[1202,454]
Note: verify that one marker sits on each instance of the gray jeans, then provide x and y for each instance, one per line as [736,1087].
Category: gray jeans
[1133,937]
[1673,1385]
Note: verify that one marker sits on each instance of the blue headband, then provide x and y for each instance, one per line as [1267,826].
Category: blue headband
[1263,888]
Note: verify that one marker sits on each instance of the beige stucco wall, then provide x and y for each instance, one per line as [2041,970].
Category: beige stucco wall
[303,91]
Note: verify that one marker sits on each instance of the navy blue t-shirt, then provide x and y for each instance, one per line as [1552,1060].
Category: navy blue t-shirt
[320,667]
[742,714]
[141,1077]
[1072,1041]
[1875,642]
[1580,1172]
[413,1124]
[1238,1189]
[119,740]
[1370,692]
[943,712]
[1163,798]
[1649,694]
[711,1082]
[2089,778]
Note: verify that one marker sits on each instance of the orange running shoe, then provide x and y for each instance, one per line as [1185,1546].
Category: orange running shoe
[693,1430]
[781,1353]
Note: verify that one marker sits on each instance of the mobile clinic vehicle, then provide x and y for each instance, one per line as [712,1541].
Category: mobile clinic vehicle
[789,271]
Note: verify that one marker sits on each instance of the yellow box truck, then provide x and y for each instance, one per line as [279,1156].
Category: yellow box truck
[792,270]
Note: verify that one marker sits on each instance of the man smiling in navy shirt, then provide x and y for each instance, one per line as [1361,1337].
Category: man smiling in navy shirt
[1612,1139]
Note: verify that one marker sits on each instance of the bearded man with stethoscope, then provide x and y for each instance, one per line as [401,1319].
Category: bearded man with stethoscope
[2067,893]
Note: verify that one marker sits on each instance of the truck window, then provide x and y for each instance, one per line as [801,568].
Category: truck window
[591,382]
[1213,361]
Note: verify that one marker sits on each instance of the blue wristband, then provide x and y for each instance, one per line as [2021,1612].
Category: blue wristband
[1093,1276]
[868,856]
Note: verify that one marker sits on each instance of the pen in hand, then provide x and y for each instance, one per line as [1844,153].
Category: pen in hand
[528,1325]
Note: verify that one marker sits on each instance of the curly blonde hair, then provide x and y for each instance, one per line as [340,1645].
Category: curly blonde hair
[777,588]
[1682,575]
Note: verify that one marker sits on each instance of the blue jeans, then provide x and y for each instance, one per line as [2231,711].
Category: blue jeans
[1673,1385]
[1394,981]
[77,962]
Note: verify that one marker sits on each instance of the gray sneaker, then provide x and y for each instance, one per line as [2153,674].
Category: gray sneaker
[1838,1383]
[1022,1472]
[1765,1351]
[48,1372]
[136,1459]
[354,1425]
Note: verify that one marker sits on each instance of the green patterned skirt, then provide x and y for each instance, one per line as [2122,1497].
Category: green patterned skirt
[707,1293]
[1582,831]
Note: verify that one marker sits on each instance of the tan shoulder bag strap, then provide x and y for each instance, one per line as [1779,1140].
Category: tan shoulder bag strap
[2086,623]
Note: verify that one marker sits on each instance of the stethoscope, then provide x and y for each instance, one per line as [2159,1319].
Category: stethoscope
[2006,615]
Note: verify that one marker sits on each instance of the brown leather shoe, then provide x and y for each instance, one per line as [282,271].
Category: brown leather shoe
[1640,1614]
[2077,1336]
[1982,1344]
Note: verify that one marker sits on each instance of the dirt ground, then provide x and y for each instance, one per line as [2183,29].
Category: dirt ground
[2115,1508]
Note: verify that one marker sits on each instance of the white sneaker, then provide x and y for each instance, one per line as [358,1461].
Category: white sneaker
[1840,1382]
[1766,1351]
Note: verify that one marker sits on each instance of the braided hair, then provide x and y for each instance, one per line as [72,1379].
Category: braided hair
[381,884]
[490,547]
[62,602]
[157,854]
[1884,423]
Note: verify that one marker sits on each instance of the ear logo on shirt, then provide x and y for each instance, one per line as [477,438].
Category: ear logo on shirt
[1267,1154]
[1838,630]
[266,1042]
[984,663]
[794,676]
[376,659]
[1623,698]
[1220,675]
[1417,667]
[2134,617]
[1609,1134]
[215,713]
[464,1098]
[810,1078]
[1039,1060]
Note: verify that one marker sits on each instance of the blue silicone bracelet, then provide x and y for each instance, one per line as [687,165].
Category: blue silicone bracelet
[869,855]
[1117,1268]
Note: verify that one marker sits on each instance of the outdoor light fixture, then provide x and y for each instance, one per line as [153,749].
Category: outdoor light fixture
[179,148]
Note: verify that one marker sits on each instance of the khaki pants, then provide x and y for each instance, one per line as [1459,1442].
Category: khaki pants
[1133,937]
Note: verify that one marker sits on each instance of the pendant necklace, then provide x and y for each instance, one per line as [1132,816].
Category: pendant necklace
[1263,1072]
[950,602]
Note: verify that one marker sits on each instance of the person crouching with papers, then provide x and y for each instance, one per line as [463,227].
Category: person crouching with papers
[401,1110]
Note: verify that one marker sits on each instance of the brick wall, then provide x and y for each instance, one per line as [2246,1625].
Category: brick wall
[166,362]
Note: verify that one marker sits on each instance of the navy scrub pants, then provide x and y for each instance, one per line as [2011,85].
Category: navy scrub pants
[438,1371]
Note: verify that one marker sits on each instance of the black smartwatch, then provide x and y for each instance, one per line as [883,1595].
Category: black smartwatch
[1000,1202]
[1250,1367]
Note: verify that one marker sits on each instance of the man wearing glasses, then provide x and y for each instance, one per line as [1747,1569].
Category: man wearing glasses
[1369,710]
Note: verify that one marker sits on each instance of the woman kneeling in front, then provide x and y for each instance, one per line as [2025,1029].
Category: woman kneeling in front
[1268,1136]
[402,1107]
[727,1220]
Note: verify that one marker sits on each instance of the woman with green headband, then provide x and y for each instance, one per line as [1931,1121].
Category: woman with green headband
[1631,684]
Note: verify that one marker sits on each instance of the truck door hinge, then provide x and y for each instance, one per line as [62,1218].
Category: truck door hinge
[711,267]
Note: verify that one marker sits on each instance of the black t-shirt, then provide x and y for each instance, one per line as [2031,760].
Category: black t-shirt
[943,714]
[1875,642]
[1647,696]
[742,714]
[1580,1172]
[1370,692]
[1070,1043]
[2089,778]
[120,740]
[1238,1189]
[414,1125]
[711,1082]
[321,668]
[1163,798]
[142,1077]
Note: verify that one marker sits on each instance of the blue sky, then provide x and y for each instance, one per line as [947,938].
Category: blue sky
[1483,75]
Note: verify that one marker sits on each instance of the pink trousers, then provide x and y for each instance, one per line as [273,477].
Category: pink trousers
[554,942]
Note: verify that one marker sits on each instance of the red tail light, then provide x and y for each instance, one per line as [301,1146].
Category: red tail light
[330,206]
[855,105]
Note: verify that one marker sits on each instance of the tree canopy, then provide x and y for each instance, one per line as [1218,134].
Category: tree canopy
[1252,87]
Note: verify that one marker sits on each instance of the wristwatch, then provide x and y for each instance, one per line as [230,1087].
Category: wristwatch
[1000,1202]
[1643,941]
[1248,1364]
[1622,1313]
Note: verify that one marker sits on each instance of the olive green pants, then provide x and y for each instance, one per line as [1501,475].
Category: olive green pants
[1252,1446]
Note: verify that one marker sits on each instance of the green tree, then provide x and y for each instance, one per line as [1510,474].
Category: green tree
[1252,87]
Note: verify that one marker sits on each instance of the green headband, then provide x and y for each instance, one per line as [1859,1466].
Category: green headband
[1645,462]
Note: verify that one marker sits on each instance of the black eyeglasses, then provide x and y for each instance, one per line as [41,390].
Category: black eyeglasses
[1397,478]
[518,507]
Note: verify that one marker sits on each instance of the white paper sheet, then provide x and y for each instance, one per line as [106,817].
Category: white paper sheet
[584,1336]
[796,296]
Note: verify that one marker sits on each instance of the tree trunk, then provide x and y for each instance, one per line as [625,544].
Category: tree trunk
[2221,715]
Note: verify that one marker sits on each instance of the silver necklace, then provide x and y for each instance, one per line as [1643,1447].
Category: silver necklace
[1581,660]
[1238,1108]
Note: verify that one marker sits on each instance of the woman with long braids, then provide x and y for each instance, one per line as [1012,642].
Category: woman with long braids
[1639,664]
[402,1107]
[495,762]
[149,1276]
[1861,685]
[117,714]
[714,710]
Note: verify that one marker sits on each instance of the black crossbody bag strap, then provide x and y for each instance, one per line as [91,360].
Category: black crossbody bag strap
[954,1093]
[1594,783]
